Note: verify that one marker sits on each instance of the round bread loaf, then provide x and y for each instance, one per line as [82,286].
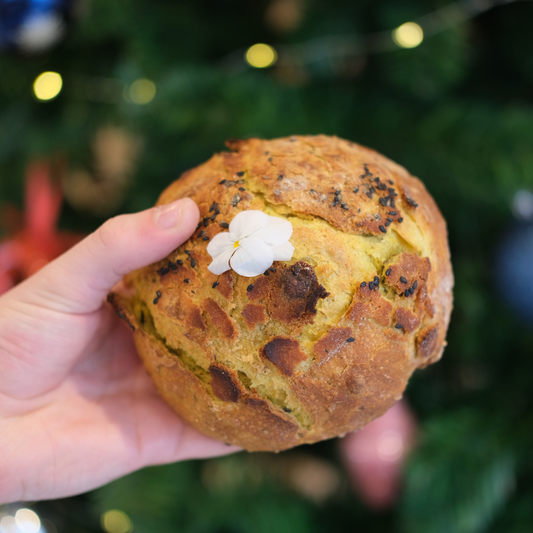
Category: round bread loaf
[316,346]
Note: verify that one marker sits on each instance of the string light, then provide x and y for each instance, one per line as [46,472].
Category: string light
[342,47]
[408,35]
[47,85]
[141,91]
[115,521]
[261,55]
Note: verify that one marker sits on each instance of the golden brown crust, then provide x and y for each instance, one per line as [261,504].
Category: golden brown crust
[319,345]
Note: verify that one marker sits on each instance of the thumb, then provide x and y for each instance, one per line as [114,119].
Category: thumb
[79,280]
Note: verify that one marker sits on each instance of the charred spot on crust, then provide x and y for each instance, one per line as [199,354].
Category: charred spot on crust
[426,342]
[332,342]
[223,385]
[225,284]
[299,294]
[408,319]
[285,353]
[219,318]
[254,314]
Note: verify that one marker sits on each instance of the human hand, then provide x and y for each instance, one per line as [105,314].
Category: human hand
[77,408]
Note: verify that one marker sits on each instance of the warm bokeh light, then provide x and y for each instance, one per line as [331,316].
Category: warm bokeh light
[47,85]
[27,521]
[115,521]
[408,35]
[8,525]
[261,55]
[142,91]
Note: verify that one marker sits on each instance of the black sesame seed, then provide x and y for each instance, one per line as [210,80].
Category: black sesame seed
[222,182]
[214,285]
[393,213]
[287,410]
[371,285]
[376,279]
[180,262]
[371,190]
[391,182]
[214,216]
[356,190]
[312,190]
[369,194]
[158,294]
[387,224]
[240,173]
[398,326]
[206,238]
[403,279]
[415,285]
[193,263]
[337,192]
[363,284]
[382,229]
[156,300]
[400,220]
[383,201]
[280,177]
[187,280]
[242,189]
[388,272]
[201,234]
[266,273]
[351,339]
[272,269]
[390,220]
[270,159]
[344,206]
[172,265]
[225,225]
[250,287]
[165,270]
[187,252]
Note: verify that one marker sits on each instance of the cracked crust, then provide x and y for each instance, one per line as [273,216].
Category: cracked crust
[319,345]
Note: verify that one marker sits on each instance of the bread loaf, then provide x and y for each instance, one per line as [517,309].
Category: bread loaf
[315,346]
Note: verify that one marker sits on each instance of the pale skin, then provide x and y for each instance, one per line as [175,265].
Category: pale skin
[77,408]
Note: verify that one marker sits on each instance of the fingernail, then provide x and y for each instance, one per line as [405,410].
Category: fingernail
[168,216]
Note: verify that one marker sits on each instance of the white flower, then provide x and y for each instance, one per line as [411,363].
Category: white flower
[253,243]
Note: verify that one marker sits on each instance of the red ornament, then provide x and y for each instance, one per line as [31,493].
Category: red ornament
[34,239]
[374,456]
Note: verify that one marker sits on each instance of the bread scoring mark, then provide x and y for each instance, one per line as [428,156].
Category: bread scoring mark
[299,294]
[407,319]
[224,386]
[220,318]
[285,353]
[254,314]
[426,342]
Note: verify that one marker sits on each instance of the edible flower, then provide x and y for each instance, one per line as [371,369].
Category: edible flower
[254,241]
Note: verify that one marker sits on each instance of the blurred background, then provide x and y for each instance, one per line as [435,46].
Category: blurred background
[103,103]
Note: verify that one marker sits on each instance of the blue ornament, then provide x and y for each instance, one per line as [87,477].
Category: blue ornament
[514,269]
[32,25]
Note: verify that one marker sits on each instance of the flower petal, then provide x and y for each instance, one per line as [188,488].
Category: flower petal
[246,222]
[252,257]
[220,243]
[220,262]
[277,231]
[283,252]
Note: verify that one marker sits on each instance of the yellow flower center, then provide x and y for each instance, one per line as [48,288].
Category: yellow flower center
[236,245]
